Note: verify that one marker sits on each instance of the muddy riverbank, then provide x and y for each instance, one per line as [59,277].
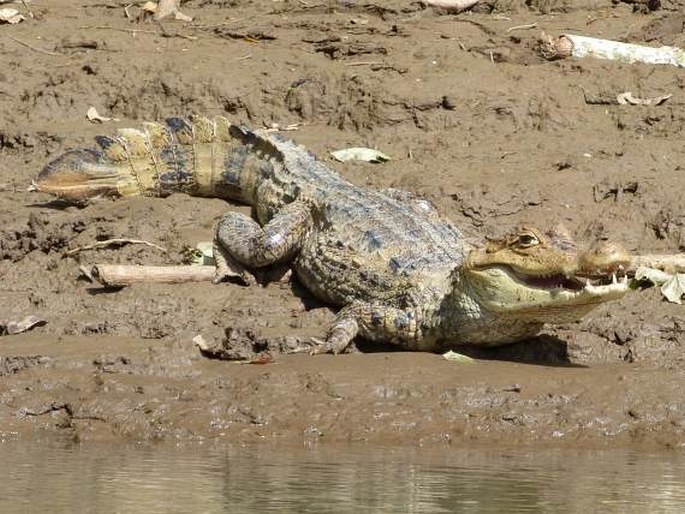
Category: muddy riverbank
[473,119]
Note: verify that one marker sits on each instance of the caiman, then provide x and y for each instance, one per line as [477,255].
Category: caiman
[398,271]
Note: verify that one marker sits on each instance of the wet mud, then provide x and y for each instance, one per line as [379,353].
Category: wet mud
[473,119]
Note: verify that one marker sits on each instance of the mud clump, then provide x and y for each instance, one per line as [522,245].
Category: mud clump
[241,344]
[18,363]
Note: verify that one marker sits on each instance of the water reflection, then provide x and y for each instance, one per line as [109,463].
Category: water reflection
[103,478]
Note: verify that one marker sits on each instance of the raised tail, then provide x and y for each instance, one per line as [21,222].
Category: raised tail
[199,156]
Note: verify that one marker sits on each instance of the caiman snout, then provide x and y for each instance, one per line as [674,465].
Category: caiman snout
[604,258]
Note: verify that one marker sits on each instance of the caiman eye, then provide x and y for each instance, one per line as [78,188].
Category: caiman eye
[527,240]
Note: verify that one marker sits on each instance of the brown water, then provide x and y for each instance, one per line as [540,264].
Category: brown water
[112,478]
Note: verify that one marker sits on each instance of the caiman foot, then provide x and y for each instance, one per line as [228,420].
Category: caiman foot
[240,243]
[340,336]
[228,269]
[372,321]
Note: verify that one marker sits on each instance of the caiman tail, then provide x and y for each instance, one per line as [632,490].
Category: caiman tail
[198,156]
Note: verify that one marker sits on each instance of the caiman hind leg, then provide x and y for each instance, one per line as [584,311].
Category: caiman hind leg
[241,243]
[405,327]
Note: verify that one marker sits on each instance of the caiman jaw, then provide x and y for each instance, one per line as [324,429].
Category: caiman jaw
[571,283]
[500,289]
[544,277]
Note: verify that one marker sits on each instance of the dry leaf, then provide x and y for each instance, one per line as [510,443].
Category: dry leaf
[672,285]
[9,15]
[451,5]
[457,357]
[178,15]
[359,154]
[627,98]
[95,117]
[17,327]
[150,7]
[674,288]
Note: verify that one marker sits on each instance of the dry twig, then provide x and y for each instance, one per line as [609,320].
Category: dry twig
[121,29]
[364,63]
[523,27]
[35,48]
[112,242]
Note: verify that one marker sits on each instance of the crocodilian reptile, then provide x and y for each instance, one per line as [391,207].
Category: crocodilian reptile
[399,272]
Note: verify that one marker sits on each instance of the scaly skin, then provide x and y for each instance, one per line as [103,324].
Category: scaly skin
[399,272]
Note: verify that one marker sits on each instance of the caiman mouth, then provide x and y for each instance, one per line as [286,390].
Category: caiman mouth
[576,283]
[550,298]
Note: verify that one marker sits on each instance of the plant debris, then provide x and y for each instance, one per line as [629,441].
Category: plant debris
[672,284]
[18,327]
[627,98]
[454,6]
[11,16]
[359,154]
[457,357]
[571,45]
[93,115]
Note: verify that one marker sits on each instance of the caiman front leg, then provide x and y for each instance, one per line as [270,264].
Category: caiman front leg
[241,243]
[405,327]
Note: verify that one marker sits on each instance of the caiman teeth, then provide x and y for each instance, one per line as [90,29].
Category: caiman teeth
[593,280]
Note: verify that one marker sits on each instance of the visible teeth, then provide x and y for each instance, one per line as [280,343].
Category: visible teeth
[614,280]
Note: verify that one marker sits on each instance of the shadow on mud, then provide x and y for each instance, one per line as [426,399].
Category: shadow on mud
[545,350]
[57,205]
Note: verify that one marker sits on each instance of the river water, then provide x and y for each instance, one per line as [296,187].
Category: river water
[57,478]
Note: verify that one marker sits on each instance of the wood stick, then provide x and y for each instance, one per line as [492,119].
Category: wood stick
[523,27]
[670,263]
[34,48]
[113,242]
[117,275]
[568,45]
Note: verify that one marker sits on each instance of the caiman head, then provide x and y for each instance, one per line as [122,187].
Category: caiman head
[543,277]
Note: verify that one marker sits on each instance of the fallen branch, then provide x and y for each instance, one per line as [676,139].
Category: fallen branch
[570,45]
[670,263]
[113,242]
[626,98]
[34,48]
[523,27]
[120,29]
[117,275]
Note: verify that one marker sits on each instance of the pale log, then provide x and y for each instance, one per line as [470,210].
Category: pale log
[115,275]
[670,263]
